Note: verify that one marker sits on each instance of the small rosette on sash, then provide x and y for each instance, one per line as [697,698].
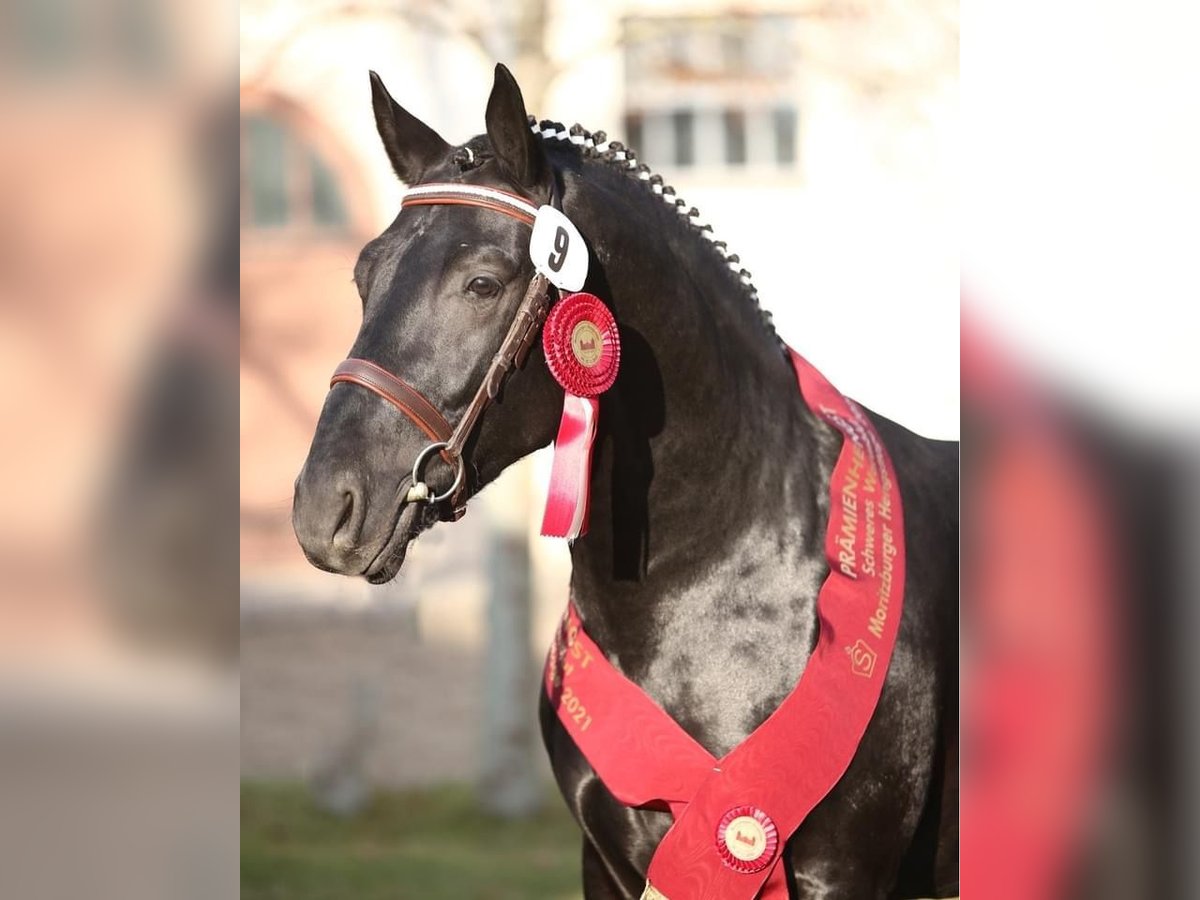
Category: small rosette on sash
[583,351]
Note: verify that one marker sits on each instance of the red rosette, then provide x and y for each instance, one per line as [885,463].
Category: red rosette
[747,839]
[582,346]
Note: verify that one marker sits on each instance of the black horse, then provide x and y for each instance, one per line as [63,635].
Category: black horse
[709,488]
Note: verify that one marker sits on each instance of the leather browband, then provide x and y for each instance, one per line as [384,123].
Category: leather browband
[399,393]
[453,200]
[450,194]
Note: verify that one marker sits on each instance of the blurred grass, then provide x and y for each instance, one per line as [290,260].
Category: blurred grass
[429,844]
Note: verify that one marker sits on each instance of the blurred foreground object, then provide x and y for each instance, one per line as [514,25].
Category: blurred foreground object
[1081,412]
[117,757]
[115,172]
[1071,590]
[166,548]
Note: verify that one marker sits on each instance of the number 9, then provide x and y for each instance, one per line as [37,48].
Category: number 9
[561,241]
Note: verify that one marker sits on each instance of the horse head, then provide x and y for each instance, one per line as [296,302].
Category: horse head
[440,289]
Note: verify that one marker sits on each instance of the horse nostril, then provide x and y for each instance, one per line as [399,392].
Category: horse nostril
[349,523]
[347,509]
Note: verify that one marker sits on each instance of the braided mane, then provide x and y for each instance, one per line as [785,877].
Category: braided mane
[596,146]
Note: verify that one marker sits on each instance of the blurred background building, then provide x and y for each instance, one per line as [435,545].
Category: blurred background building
[817,137]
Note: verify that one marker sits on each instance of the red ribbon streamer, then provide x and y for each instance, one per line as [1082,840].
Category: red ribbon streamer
[583,352]
[569,499]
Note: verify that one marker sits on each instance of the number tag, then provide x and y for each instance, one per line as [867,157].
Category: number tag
[557,250]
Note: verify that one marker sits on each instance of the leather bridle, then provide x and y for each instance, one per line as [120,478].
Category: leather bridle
[449,441]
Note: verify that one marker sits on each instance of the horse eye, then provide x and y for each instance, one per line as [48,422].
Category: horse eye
[484,285]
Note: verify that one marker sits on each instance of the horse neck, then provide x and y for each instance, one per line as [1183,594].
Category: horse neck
[706,455]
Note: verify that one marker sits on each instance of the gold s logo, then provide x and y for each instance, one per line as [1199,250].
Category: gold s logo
[862,659]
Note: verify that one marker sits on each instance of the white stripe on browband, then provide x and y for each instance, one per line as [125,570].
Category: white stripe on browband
[472,190]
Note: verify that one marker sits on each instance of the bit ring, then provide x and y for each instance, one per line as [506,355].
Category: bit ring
[416,493]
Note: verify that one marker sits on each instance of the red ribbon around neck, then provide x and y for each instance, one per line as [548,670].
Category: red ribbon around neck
[733,815]
[583,351]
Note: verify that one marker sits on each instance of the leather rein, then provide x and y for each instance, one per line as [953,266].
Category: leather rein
[449,441]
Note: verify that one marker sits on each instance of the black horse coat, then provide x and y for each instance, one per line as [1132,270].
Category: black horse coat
[710,489]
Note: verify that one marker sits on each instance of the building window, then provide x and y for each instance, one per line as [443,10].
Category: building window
[633,130]
[286,182]
[328,210]
[712,93]
[264,159]
[735,137]
[785,135]
[683,137]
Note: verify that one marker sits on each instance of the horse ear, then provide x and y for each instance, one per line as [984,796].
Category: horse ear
[411,145]
[518,151]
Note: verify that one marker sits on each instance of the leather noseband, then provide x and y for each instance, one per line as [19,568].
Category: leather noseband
[400,394]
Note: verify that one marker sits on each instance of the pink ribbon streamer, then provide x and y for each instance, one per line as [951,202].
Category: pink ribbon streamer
[569,498]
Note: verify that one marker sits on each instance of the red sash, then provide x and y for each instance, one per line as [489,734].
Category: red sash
[734,815]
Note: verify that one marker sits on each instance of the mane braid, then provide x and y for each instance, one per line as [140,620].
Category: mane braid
[597,146]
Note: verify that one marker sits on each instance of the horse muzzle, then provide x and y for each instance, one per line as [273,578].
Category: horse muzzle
[343,530]
[351,510]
